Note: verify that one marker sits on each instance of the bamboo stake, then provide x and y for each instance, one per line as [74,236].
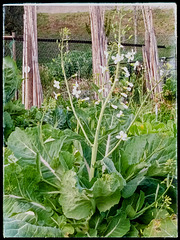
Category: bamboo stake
[99,45]
[26,66]
[150,51]
[23,60]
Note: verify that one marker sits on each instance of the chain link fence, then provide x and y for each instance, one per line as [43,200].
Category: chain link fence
[48,50]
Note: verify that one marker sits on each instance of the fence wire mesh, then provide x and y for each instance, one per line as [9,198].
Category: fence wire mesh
[164,24]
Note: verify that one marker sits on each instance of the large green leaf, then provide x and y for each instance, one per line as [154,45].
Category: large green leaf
[132,152]
[27,147]
[106,191]
[151,151]
[166,227]
[22,146]
[118,226]
[76,203]
[11,77]
[57,117]
[22,194]
[20,228]
[131,186]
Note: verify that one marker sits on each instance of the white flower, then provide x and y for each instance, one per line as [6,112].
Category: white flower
[130,55]
[119,114]
[114,106]
[76,85]
[56,84]
[68,108]
[136,65]
[97,102]
[120,46]
[118,58]
[130,84]
[85,99]
[124,95]
[124,105]
[76,92]
[127,74]
[116,79]
[56,95]
[100,90]
[122,136]
[127,88]
[106,54]
[103,69]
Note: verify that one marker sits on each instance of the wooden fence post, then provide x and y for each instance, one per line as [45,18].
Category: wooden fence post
[99,45]
[14,57]
[135,26]
[150,54]
[31,86]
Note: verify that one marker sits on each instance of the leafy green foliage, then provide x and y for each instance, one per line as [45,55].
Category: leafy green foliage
[163,227]
[106,191]
[11,78]
[76,62]
[13,19]
[80,205]
[59,118]
[46,184]
[20,228]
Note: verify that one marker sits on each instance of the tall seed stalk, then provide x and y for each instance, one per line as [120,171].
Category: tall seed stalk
[94,146]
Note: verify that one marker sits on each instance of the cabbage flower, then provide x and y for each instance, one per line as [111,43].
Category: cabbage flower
[124,105]
[114,106]
[127,88]
[124,95]
[130,55]
[56,84]
[97,102]
[119,114]
[122,136]
[136,65]
[127,74]
[120,46]
[117,58]
[103,69]
[86,99]
[56,95]
[76,92]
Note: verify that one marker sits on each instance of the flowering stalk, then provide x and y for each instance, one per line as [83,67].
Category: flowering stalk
[137,113]
[70,98]
[95,144]
[153,204]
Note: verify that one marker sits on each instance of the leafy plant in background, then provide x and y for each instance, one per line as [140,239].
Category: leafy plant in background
[95,179]
[11,83]
[11,79]
[79,62]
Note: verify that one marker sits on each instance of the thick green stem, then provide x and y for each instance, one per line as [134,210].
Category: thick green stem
[95,144]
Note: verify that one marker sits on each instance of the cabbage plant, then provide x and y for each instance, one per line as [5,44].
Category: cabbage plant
[93,180]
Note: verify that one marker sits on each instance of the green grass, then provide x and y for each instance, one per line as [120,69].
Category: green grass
[49,25]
